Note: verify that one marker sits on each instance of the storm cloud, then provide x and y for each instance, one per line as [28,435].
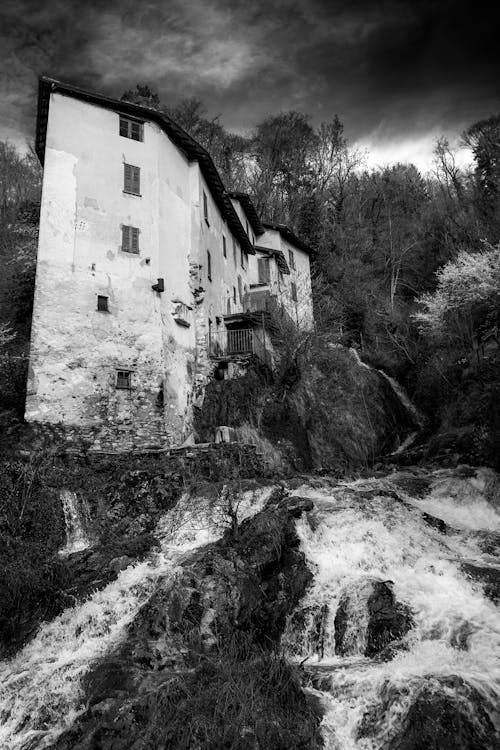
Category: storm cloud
[397,72]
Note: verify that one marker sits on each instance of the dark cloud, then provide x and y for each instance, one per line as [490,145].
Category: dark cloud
[394,70]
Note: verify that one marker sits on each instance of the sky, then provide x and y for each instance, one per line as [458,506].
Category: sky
[399,73]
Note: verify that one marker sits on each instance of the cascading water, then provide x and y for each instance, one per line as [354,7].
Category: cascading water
[360,536]
[76,519]
[40,688]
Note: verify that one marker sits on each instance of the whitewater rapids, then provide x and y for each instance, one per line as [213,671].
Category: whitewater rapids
[357,533]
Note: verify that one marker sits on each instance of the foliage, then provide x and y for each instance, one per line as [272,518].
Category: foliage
[466,300]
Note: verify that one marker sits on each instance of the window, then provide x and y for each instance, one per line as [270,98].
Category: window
[124,379]
[131,179]
[235,254]
[209,265]
[102,303]
[242,257]
[130,239]
[224,247]
[131,129]
[234,294]
[240,289]
[293,288]
[291,259]
[205,208]
[264,270]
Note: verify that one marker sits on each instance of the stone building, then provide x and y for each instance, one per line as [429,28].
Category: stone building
[149,273]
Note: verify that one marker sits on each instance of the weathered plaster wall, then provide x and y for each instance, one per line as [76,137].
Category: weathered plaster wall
[301,311]
[76,350]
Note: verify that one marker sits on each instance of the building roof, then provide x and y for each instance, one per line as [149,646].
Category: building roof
[288,235]
[250,211]
[182,140]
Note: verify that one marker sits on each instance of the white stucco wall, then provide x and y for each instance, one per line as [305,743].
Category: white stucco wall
[76,350]
[301,311]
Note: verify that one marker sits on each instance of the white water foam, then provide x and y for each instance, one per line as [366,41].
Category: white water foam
[359,536]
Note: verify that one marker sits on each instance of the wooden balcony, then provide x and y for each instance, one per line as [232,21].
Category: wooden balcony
[236,343]
[231,343]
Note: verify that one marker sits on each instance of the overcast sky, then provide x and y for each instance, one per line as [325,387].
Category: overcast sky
[398,72]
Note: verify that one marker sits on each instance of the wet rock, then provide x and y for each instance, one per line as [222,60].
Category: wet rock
[202,645]
[368,619]
[436,523]
[308,626]
[488,576]
[443,713]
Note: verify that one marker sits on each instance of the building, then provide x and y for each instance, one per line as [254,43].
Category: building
[148,272]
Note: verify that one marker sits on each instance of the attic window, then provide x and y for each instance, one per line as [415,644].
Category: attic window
[205,208]
[102,303]
[124,379]
[130,240]
[131,129]
[131,179]
[291,259]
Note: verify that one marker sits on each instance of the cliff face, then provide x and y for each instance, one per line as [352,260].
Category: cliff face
[327,410]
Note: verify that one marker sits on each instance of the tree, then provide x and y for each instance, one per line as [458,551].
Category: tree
[143,95]
[484,140]
[466,300]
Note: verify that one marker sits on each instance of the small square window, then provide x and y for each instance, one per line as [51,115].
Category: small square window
[131,179]
[124,379]
[102,303]
[131,129]
[130,239]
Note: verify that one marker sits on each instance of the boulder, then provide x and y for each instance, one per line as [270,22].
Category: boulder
[369,619]
[441,713]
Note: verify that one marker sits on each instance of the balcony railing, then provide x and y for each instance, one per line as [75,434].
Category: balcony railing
[231,343]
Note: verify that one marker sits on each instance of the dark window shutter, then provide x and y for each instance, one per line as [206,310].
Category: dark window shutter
[235,256]
[136,179]
[136,130]
[224,247]
[124,127]
[125,238]
[209,265]
[134,240]
[234,294]
[127,178]
[294,291]
[264,271]
[240,289]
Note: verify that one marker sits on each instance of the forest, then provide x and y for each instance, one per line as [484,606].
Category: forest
[407,269]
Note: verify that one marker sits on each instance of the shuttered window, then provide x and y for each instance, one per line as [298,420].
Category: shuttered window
[130,239]
[131,179]
[131,129]
[209,265]
[291,259]
[234,294]
[293,287]
[205,208]
[102,303]
[123,379]
[264,270]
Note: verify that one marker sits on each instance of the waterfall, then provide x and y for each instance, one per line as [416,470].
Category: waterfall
[76,519]
[41,687]
[416,417]
[359,536]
